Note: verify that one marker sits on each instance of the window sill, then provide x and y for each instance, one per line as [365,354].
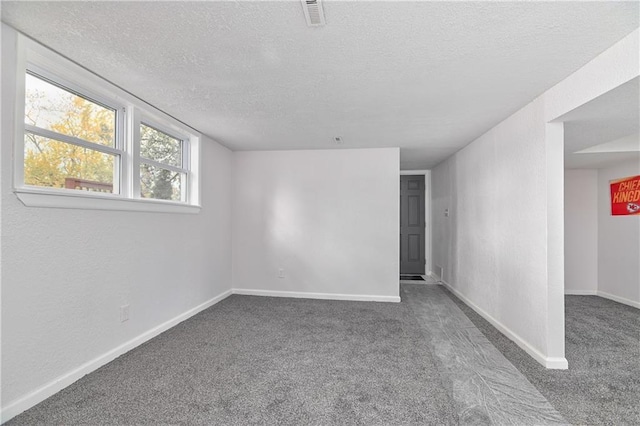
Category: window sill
[63,200]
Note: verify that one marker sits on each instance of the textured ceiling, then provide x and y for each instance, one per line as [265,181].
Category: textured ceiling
[428,77]
[614,116]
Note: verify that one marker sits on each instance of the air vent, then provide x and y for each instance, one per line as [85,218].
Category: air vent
[313,12]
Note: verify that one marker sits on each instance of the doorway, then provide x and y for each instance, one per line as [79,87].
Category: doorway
[412,225]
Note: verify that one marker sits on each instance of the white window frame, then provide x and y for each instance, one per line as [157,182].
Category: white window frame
[130,113]
[116,150]
[185,155]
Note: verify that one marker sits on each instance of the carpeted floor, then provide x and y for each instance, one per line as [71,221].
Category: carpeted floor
[486,388]
[602,385]
[259,360]
[271,361]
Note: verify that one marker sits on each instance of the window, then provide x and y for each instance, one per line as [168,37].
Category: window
[162,165]
[69,140]
[85,143]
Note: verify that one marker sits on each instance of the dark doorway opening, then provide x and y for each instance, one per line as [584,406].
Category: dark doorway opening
[412,225]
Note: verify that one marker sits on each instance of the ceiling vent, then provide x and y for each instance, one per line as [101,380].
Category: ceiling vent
[313,12]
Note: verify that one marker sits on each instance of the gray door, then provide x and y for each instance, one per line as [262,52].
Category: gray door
[412,225]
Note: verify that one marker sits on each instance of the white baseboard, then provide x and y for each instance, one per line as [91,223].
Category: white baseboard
[434,276]
[556,363]
[619,299]
[580,292]
[324,296]
[604,294]
[16,407]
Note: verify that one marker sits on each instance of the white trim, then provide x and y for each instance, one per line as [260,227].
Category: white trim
[555,363]
[42,73]
[159,165]
[619,299]
[414,172]
[19,108]
[169,129]
[24,403]
[48,134]
[603,294]
[428,240]
[73,199]
[322,296]
[580,292]
[133,131]
[194,175]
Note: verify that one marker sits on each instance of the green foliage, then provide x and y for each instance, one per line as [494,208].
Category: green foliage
[49,162]
[159,183]
[158,146]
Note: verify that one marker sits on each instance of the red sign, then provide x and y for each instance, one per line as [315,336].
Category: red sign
[625,196]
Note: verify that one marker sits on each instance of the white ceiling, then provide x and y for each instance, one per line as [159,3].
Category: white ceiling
[604,131]
[428,77]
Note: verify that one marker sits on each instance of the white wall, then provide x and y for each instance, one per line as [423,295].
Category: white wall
[502,247]
[329,218]
[493,245]
[2,123]
[65,273]
[581,231]
[618,242]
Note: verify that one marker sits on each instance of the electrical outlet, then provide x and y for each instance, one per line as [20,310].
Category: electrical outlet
[280,273]
[124,313]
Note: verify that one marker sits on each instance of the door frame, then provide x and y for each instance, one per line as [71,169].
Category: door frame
[427,215]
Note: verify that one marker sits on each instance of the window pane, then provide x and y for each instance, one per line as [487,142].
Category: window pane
[56,164]
[159,146]
[159,183]
[50,107]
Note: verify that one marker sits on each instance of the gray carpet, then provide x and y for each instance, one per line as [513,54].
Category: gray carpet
[257,360]
[602,385]
[486,388]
